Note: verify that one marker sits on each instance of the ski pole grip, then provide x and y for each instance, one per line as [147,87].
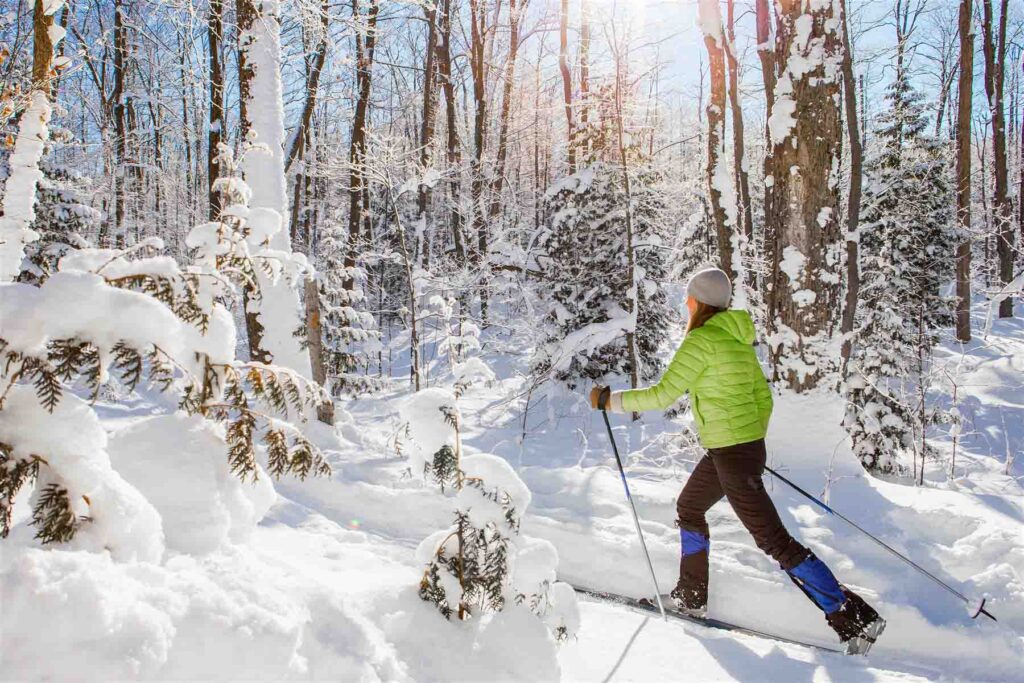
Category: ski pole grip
[604,397]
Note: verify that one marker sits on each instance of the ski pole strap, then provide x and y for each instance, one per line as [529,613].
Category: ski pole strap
[980,607]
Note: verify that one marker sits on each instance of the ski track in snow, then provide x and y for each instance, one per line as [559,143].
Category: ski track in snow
[343,548]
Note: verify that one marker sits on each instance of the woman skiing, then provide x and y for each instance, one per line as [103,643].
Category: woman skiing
[731,405]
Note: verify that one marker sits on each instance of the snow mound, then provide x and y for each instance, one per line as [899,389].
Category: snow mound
[227,616]
[512,645]
[423,412]
[179,462]
[495,479]
[116,517]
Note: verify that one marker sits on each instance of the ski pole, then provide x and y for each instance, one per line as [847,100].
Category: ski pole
[603,400]
[919,568]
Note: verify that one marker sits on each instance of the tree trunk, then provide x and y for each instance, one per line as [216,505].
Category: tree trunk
[478,68]
[584,63]
[454,155]
[427,124]
[632,304]
[804,195]
[766,53]
[120,123]
[853,201]
[716,177]
[365,46]
[563,66]
[739,162]
[18,212]
[215,34]
[316,68]
[963,173]
[274,315]
[515,12]
[995,78]
[300,148]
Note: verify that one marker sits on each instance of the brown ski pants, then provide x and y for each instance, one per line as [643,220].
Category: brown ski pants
[734,472]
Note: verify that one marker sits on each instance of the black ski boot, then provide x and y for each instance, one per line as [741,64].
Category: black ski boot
[857,624]
[688,602]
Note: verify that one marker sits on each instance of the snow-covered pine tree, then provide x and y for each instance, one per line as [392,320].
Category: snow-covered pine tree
[349,334]
[481,564]
[907,234]
[593,300]
[64,221]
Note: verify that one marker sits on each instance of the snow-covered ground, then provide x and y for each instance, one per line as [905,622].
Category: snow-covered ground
[325,586]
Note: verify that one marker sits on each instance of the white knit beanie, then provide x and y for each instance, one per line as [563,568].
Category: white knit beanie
[710,286]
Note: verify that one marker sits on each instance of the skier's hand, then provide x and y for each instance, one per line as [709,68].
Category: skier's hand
[599,397]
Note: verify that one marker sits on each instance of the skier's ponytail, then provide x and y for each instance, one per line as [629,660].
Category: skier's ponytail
[701,315]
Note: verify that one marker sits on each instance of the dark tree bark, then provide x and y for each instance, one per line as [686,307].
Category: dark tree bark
[302,240]
[120,122]
[316,68]
[215,34]
[994,41]
[742,177]
[515,10]
[853,200]
[715,147]
[803,197]
[769,74]
[358,191]
[563,67]
[454,152]
[478,68]
[963,172]
[766,52]
[427,122]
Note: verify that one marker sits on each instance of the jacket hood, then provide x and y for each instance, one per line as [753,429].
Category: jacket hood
[737,323]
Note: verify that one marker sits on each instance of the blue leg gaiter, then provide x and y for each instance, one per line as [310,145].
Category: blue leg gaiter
[819,583]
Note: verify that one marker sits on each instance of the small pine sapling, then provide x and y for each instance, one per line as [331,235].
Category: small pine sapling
[481,564]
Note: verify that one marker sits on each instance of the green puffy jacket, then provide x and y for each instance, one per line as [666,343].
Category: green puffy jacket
[729,395]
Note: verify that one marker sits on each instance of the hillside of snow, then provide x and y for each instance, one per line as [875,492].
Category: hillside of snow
[324,587]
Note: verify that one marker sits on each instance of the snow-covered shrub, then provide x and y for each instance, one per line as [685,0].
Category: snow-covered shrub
[79,499]
[907,233]
[431,422]
[140,317]
[481,563]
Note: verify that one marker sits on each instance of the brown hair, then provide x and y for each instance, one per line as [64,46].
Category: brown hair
[701,315]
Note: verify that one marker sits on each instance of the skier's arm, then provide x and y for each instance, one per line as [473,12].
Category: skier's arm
[686,366]
[762,397]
